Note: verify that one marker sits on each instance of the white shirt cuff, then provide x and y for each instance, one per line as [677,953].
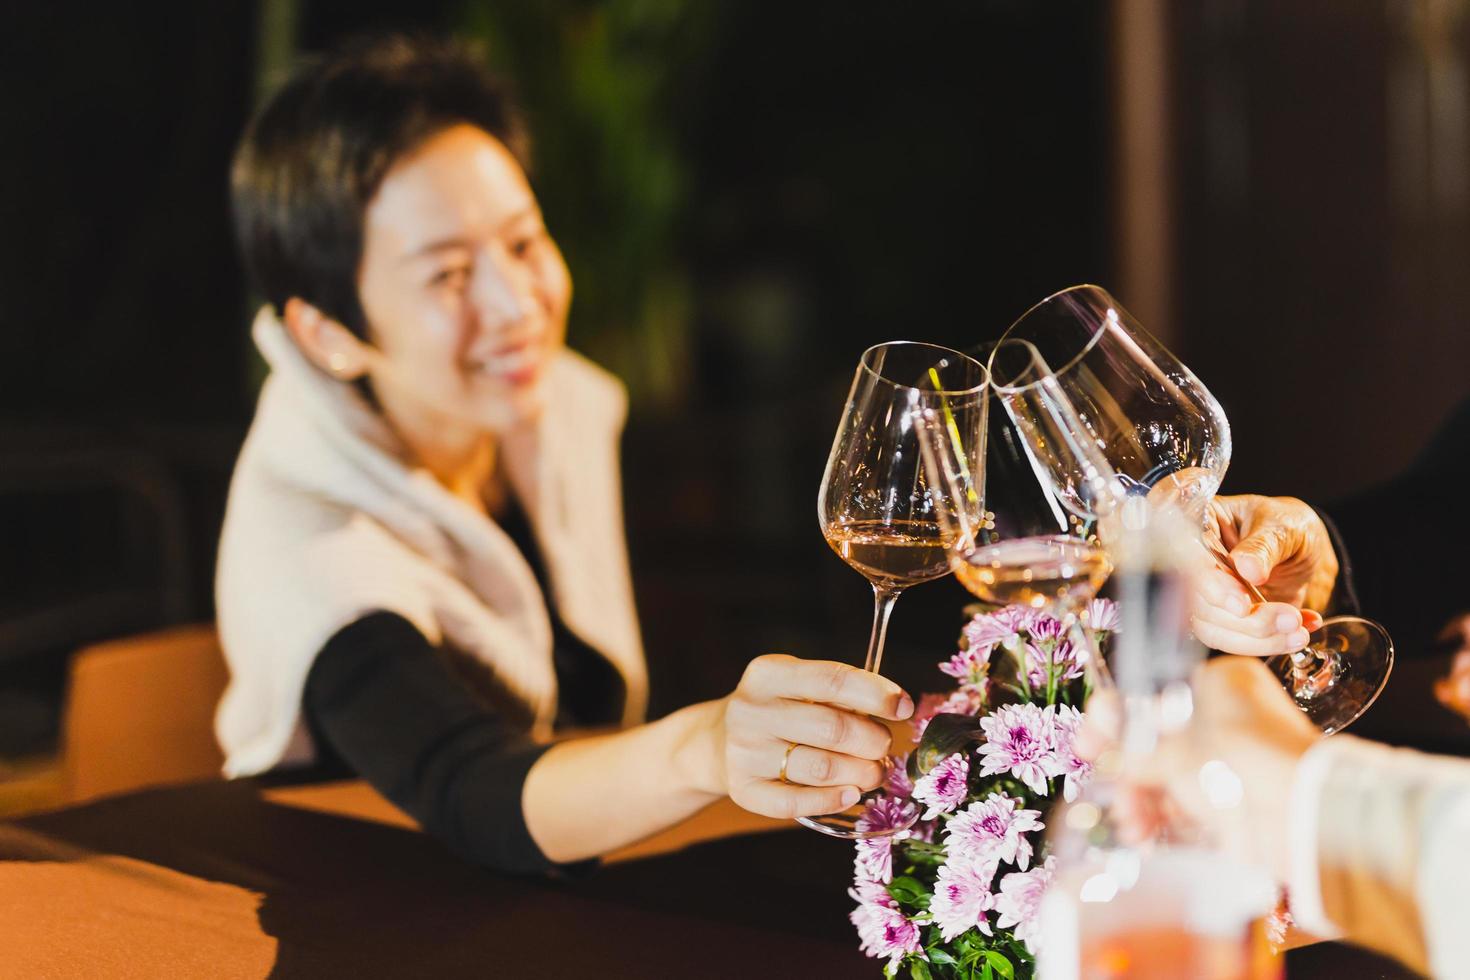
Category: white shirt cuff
[1303,882]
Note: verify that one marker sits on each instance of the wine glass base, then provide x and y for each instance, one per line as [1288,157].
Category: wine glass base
[847,824]
[1358,658]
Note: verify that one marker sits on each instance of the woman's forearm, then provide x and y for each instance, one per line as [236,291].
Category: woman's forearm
[586,797]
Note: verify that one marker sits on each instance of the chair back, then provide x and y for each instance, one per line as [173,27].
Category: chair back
[140,712]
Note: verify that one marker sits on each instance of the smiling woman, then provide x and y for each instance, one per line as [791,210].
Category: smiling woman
[466,292]
[427,462]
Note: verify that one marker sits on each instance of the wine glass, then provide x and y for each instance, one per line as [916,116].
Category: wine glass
[1166,440]
[1021,542]
[875,506]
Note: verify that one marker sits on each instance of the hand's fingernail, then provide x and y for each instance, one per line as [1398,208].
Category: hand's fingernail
[1286,622]
[849,796]
[1296,640]
[1238,605]
[905,707]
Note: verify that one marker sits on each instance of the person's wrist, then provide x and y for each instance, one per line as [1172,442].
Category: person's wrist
[699,756]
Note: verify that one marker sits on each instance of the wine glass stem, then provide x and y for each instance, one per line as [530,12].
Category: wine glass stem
[1313,672]
[1222,558]
[883,600]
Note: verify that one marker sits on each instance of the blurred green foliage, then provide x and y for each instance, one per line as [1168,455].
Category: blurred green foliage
[602,85]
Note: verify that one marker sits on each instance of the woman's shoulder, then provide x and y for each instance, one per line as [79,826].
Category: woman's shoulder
[320,554]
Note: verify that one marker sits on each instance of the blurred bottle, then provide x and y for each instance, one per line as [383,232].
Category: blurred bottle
[1140,889]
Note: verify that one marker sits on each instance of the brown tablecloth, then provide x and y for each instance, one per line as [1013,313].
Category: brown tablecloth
[223,880]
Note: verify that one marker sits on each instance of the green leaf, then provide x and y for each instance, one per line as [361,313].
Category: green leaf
[921,854]
[914,848]
[997,961]
[939,957]
[919,970]
[945,735]
[970,943]
[909,891]
[985,973]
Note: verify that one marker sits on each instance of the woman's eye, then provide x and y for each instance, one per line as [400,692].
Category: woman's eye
[454,277]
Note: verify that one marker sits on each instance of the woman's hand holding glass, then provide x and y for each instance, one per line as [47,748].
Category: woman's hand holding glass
[797,737]
[878,511]
[1280,546]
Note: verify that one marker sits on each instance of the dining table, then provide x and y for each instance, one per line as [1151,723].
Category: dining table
[227,879]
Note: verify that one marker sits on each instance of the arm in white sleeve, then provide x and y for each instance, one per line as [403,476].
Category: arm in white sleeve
[1380,851]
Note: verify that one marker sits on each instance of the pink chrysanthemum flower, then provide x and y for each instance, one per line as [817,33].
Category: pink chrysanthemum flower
[1062,658]
[929,705]
[992,830]
[962,896]
[874,860]
[868,918]
[969,666]
[897,783]
[985,630]
[1077,770]
[886,813]
[943,787]
[866,891]
[1016,618]
[1018,740]
[966,700]
[875,854]
[886,932]
[1102,616]
[1045,629]
[1019,899]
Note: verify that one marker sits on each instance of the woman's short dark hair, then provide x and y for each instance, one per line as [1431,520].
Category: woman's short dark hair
[314,156]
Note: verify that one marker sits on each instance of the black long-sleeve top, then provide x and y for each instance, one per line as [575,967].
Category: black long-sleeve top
[1408,539]
[383,702]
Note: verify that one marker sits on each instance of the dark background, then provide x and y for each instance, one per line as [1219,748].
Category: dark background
[749,194]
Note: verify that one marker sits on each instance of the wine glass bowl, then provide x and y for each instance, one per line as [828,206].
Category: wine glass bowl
[875,506]
[1152,420]
[1028,545]
[1058,570]
[1032,546]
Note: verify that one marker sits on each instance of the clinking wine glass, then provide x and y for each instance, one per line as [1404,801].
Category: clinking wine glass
[875,506]
[1013,539]
[1166,440]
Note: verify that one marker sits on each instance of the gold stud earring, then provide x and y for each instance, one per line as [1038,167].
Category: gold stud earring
[337,362]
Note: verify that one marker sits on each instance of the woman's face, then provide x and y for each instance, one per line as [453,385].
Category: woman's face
[464,292]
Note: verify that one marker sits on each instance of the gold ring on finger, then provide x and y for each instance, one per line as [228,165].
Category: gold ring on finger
[786,761]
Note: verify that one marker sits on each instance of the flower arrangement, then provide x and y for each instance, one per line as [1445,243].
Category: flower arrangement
[957,894]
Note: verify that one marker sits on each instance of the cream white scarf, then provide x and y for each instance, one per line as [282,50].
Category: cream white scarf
[327,522]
